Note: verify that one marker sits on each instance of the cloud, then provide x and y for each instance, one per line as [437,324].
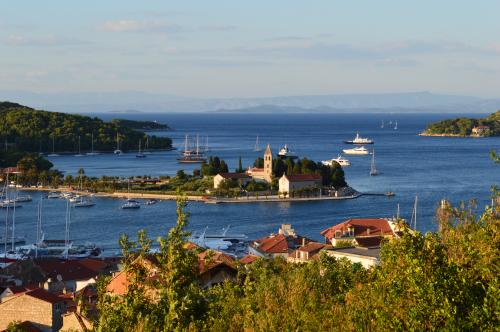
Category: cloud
[44,41]
[134,26]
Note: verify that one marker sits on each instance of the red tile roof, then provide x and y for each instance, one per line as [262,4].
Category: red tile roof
[248,259]
[312,246]
[217,258]
[362,227]
[275,244]
[118,284]
[69,269]
[234,175]
[303,177]
[43,295]
[96,265]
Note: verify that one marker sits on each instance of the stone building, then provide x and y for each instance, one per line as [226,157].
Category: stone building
[266,173]
[241,178]
[288,184]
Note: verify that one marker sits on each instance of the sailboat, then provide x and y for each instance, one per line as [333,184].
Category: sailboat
[117,151]
[396,125]
[92,153]
[146,146]
[131,203]
[373,169]
[382,125]
[413,222]
[190,156]
[140,154]
[206,145]
[53,154]
[257,148]
[79,149]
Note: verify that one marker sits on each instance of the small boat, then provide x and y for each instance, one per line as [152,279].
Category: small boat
[359,140]
[92,153]
[373,169]
[54,194]
[359,151]
[389,194]
[146,146]
[151,202]
[131,204]
[340,160]
[9,204]
[84,202]
[285,152]
[140,154]
[117,151]
[26,198]
[79,149]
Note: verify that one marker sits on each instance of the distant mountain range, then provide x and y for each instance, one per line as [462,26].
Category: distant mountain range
[133,101]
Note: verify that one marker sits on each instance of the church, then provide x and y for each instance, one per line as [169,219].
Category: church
[287,183]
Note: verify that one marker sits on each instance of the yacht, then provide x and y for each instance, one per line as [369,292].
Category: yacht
[54,194]
[84,202]
[340,160]
[140,154]
[92,153]
[117,151]
[26,198]
[131,204]
[219,241]
[359,150]
[360,140]
[285,152]
[151,202]
[190,156]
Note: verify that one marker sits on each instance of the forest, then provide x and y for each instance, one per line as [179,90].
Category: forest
[29,130]
[463,126]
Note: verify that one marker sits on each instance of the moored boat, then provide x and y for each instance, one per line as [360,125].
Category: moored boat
[340,160]
[359,151]
[359,140]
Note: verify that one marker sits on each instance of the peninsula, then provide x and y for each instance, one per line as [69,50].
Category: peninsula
[465,127]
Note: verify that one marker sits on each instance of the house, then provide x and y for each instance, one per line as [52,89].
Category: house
[480,131]
[277,245]
[42,309]
[307,252]
[366,232]
[70,275]
[248,259]
[73,321]
[215,267]
[289,184]
[241,178]
[367,257]
[266,173]
[7,292]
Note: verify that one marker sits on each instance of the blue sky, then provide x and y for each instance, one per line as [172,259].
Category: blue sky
[252,48]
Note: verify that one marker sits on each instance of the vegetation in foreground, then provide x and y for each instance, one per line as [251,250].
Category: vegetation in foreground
[28,130]
[447,280]
[463,126]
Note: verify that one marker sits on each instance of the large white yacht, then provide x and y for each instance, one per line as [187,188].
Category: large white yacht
[286,153]
[340,160]
[360,140]
[359,150]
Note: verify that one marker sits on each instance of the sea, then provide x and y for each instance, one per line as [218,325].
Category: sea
[430,168]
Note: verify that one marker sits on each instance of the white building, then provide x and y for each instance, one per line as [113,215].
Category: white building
[290,183]
[242,178]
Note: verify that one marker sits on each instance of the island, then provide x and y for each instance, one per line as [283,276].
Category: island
[465,127]
[29,130]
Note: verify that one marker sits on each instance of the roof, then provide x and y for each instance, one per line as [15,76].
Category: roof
[274,244]
[29,327]
[482,127]
[368,252]
[69,269]
[362,227]
[43,295]
[119,283]
[312,246]
[303,177]
[248,259]
[234,175]
[216,259]
[96,265]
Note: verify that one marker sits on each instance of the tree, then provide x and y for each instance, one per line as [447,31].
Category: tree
[240,167]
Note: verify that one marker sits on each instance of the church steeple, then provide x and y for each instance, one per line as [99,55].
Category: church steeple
[268,164]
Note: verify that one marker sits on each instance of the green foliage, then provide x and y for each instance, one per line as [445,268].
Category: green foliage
[214,166]
[31,130]
[463,126]
[140,125]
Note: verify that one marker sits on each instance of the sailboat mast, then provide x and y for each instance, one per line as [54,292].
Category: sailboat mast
[415,207]
[197,145]
[6,233]
[14,218]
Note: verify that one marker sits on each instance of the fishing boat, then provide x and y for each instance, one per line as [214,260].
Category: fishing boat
[79,154]
[257,148]
[340,160]
[357,151]
[92,153]
[53,154]
[117,150]
[359,140]
[190,156]
[285,152]
[373,169]
[140,154]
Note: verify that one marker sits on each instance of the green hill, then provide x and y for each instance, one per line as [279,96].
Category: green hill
[26,129]
[463,126]
[141,125]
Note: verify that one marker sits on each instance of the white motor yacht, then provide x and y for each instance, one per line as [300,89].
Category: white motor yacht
[360,140]
[340,160]
[359,151]
[285,152]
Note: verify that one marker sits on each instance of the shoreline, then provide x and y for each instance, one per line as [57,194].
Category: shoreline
[202,198]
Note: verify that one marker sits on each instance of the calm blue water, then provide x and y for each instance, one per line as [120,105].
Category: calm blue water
[432,168]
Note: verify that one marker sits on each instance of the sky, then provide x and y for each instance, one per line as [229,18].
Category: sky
[256,48]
